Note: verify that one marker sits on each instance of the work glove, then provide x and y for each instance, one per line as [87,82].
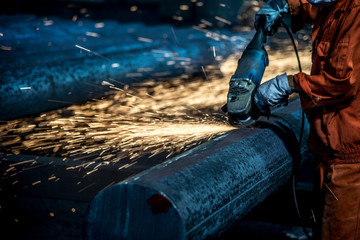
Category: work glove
[268,16]
[274,92]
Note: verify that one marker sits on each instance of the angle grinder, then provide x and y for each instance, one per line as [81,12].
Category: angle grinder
[240,107]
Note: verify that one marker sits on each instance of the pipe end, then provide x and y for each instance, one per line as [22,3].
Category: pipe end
[128,211]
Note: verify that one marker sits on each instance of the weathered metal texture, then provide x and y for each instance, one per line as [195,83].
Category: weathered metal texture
[200,193]
[45,63]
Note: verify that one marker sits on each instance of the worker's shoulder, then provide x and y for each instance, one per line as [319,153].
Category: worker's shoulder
[355,4]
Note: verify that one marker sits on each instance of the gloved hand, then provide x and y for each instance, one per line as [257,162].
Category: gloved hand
[268,16]
[272,93]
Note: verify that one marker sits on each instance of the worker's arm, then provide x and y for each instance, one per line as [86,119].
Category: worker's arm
[339,83]
[324,90]
[301,11]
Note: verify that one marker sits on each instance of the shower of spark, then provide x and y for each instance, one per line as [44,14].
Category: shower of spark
[130,123]
[148,120]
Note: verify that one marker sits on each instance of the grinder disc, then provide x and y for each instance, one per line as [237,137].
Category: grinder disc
[240,123]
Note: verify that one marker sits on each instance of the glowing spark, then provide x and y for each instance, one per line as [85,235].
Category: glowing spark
[184,7]
[6,48]
[88,173]
[223,20]
[133,8]
[88,186]
[1,34]
[154,118]
[106,83]
[203,69]
[127,165]
[110,184]
[214,52]
[199,4]
[142,39]
[92,34]
[34,183]
[9,169]
[48,22]
[111,79]
[173,32]
[23,162]
[200,29]
[222,5]
[159,51]
[332,193]
[116,88]
[313,216]
[206,22]
[115,65]
[83,48]
[99,25]
[88,50]
[178,18]
[25,88]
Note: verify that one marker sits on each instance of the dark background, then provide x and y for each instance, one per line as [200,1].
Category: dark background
[148,11]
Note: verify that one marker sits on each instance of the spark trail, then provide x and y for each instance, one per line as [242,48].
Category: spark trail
[130,123]
[166,118]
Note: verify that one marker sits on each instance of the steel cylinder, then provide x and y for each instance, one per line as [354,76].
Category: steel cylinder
[201,192]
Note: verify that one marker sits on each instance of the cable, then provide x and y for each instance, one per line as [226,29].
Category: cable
[293,42]
[300,139]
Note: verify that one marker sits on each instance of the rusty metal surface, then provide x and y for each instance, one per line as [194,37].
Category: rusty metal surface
[204,190]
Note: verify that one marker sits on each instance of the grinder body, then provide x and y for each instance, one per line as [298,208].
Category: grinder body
[244,82]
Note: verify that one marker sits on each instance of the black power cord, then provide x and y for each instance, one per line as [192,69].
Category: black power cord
[293,177]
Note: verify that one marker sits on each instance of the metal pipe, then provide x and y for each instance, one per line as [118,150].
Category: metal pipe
[200,193]
[52,63]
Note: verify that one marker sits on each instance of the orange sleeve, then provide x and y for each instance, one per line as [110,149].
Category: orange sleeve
[324,90]
[340,83]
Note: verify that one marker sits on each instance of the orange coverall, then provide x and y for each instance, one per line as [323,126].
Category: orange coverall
[330,99]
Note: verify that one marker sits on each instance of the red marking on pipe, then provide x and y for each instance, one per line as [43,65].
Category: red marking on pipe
[159,203]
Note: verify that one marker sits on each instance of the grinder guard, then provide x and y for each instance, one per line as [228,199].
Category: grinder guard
[243,84]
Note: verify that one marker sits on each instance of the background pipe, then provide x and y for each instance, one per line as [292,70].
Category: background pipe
[48,63]
[200,193]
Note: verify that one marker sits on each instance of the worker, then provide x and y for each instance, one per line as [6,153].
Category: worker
[330,98]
